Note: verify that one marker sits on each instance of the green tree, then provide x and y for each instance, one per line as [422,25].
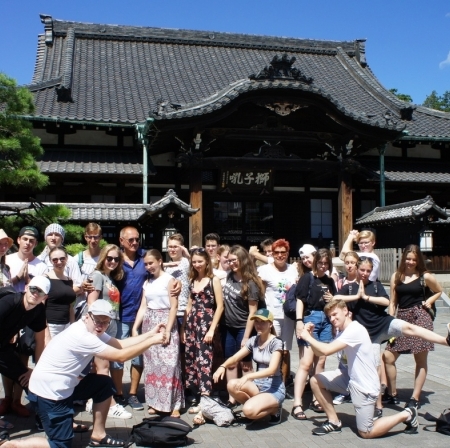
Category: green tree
[401,96]
[435,101]
[19,148]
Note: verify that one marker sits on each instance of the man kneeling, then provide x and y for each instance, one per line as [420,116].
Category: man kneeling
[361,379]
[57,378]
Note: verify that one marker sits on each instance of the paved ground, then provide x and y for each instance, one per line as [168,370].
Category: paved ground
[435,398]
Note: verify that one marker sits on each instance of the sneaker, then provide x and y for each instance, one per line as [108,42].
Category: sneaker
[134,403]
[231,405]
[118,411]
[19,409]
[276,418]
[378,413]
[341,399]
[78,402]
[38,424]
[390,399]
[5,405]
[326,428]
[412,425]
[89,406]
[412,403]
[120,399]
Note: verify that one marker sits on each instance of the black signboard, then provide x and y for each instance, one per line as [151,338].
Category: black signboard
[246,180]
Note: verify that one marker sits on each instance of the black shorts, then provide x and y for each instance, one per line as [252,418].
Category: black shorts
[11,365]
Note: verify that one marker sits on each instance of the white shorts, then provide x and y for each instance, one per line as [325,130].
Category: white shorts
[284,328]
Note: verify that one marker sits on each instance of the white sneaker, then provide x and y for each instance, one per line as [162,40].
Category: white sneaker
[118,411]
[89,406]
[341,399]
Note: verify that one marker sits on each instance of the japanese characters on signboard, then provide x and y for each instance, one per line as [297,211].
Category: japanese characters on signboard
[246,180]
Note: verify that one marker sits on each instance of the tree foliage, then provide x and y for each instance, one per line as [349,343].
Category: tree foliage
[438,102]
[19,148]
[401,96]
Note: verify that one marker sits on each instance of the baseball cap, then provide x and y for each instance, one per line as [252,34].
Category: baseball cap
[40,282]
[29,230]
[3,235]
[101,308]
[307,249]
[263,314]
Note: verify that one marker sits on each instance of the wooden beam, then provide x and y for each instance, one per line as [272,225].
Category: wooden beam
[345,209]
[196,199]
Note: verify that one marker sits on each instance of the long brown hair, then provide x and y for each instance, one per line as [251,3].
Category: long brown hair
[117,273]
[420,266]
[200,251]
[248,271]
[322,253]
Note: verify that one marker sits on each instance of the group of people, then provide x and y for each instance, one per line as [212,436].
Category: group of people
[208,315]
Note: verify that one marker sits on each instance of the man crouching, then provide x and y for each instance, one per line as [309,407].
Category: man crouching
[57,378]
[361,379]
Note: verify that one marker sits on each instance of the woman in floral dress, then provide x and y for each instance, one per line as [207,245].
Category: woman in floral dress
[203,312]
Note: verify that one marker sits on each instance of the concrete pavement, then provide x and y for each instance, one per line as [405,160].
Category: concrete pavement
[435,398]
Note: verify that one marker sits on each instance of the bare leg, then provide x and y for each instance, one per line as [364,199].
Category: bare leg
[306,360]
[325,399]
[117,375]
[384,424]
[260,405]
[420,332]
[232,374]
[100,412]
[136,373]
[32,442]
[421,373]
[286,365]
[391,370]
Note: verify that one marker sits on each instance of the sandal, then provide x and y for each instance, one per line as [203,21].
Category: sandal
[152,411]
[194,409]
[4,424]
[175,414]
[107,441]
[80,428]
[298,415]
[315,406]
[199,419]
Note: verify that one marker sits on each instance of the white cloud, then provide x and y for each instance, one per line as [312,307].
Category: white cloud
[446,62]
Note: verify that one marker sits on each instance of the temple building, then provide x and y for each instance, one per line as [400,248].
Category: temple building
[260,136]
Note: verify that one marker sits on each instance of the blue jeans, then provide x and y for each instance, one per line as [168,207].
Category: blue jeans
[322,328]
[231,342]
[123,332]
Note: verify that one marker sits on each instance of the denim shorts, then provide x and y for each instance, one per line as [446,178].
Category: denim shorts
[123,332]
[272,385]
[322,328]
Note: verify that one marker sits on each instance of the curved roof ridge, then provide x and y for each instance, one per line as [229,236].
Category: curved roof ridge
[202,36]
[433,112]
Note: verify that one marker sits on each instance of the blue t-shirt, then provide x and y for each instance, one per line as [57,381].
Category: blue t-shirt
[130,287]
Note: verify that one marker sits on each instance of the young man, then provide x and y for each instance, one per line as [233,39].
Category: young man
[212,242]
[361,378]
[18,310]
[56,380]
[265,256]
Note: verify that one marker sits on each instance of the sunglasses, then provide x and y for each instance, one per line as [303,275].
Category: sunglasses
[279,252]
[100,323]
[110,259]
[61,259]
[36,290]
[198,250]
[133,240]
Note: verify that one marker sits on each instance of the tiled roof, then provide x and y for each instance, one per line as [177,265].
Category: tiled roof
[91,162]
[405,211]
[95,211]
[170,198]
[122,74]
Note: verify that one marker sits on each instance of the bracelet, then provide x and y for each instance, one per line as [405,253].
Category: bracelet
[222,366]
[298,320]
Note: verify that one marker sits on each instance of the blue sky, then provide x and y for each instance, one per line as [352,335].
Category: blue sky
[408,43]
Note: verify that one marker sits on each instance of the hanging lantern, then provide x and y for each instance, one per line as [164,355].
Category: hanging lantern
[426,240]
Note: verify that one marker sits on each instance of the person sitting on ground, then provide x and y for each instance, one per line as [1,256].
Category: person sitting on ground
[262,392]
[56,382]
[361,377]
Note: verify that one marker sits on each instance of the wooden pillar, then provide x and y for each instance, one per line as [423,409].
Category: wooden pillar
[345,209]
[196,200]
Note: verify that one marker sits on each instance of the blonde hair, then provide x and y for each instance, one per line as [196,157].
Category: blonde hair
[117,273]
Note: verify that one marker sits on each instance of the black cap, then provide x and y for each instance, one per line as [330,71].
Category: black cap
[29,230]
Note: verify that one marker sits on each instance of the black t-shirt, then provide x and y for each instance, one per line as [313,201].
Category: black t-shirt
[409,294]
[313,298]
[57,305]
[14,317]
[371,316]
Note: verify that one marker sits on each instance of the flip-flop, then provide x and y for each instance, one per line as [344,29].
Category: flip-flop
[152,411]
[175,414]
[298,415]
[4,424]
[80,428]
[107,441]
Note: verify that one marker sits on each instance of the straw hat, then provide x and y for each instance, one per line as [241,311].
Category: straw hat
[4,235]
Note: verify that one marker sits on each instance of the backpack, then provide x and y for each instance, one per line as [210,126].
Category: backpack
[442,421]
[165,431]
[217,411]
[290,303]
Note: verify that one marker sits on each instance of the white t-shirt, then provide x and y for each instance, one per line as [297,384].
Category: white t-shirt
[277,285]
[35,267]
[181,273]
[71,270]
[362,368]
[156,292]
[375,261]
[64,358]
[221,275]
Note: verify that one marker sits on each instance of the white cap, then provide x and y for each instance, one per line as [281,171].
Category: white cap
[101,308]
[41,282]
[307,249]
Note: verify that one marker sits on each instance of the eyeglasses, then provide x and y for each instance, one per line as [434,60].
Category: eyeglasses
[61,259]
[322,263]
[364,243]
[36,290]
[279,252]
[93,237]
[133,240]
[110,259]
[100,323]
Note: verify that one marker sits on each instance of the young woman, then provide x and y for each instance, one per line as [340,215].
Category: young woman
[306,252]
[313,291]
[278,277]
[223,268]
[241,293]
[261,392]
[162,370]
[58,309]
[202,315]
[5,273]
[408,286]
